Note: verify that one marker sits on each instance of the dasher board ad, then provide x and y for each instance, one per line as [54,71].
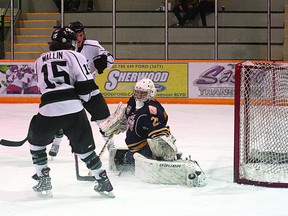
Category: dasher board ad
[171,80]
[18,79]
[211,80]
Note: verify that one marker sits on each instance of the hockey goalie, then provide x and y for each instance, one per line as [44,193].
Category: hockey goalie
[151,151]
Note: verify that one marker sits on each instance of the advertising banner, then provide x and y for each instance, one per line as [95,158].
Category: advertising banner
[171,79]
[178,81]
[18,79]
[211,80]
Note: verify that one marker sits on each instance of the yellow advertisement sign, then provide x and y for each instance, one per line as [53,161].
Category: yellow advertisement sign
[171,80]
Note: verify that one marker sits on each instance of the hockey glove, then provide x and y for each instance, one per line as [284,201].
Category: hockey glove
[100,63]
[163,147]
[115,123]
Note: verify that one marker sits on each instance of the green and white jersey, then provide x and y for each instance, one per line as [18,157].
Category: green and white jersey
[64,80]
[91,49]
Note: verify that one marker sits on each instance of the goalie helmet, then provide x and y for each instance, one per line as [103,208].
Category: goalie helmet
[76,26]
[63,39]
[144,90]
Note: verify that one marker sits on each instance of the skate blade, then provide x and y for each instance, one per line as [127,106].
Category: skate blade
[45,194]
[107,194]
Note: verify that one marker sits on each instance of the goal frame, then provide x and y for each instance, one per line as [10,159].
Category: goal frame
[237,122]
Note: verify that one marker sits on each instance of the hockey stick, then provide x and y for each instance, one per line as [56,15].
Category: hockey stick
[9,143]
[88,177]
[78,176]
[105,145]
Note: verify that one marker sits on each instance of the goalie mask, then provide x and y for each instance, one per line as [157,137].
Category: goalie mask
[63,39]
[144,90]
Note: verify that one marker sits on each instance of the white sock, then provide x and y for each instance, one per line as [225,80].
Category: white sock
[39,169]
[96,173]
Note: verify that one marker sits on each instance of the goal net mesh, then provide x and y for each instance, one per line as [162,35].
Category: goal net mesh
[262,142]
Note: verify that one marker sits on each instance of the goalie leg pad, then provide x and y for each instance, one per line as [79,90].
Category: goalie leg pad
[117,160]
[180,172]
[195,177]
[163,147]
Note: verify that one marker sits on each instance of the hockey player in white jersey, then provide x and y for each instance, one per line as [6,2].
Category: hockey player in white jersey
[65,81]
[98,60]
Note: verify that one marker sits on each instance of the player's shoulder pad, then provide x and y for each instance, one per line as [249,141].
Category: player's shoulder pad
[77,55]
[153,107]
[91,43]
[153,110]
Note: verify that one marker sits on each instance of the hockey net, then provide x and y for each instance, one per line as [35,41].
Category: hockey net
[261,124]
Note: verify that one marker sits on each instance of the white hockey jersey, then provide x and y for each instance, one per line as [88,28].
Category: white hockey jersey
[91,49]
[64,79]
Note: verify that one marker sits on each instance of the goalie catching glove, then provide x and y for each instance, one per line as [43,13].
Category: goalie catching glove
[115,123]
[100,63]
[163,147]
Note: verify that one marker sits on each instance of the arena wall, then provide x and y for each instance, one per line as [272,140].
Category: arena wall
[177,81]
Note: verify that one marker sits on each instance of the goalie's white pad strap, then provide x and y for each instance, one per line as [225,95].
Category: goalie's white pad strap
[115,123]
[164,147]
[180,172]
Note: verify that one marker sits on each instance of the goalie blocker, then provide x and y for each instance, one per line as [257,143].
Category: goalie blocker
[178,172]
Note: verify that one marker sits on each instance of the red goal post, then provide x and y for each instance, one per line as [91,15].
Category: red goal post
[261,124]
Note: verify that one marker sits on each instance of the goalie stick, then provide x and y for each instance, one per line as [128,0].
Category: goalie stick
[88,177]
[10,143]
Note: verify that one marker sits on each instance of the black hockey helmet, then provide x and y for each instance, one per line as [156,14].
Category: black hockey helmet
[63,38]
[76,26]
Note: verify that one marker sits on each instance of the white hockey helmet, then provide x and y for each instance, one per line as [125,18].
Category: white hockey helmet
[144,90]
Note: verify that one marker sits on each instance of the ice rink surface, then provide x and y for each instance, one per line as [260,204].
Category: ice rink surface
[203,131]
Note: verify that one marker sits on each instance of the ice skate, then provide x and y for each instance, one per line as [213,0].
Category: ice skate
[35,177]
[54,150]
[103,186]
[43,188]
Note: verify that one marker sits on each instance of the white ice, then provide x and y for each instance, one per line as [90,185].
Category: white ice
[203,131]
